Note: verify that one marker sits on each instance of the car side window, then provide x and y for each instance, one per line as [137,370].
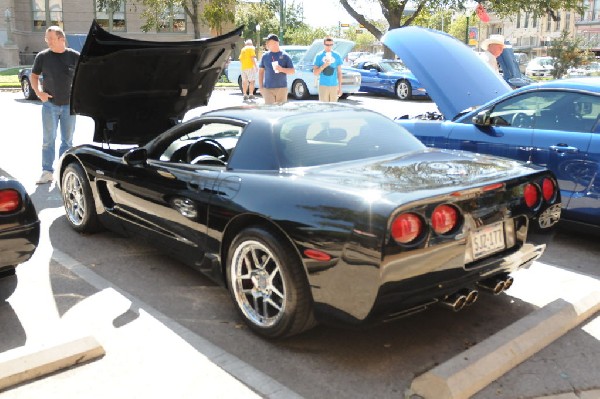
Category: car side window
[548,110]
[198,145]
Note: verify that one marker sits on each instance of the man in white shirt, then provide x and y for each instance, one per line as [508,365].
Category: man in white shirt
[492,47]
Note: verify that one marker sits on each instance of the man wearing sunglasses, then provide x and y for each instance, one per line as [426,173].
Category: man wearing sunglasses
[328,67]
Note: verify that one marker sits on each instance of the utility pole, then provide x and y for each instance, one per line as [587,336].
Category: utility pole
[281,20]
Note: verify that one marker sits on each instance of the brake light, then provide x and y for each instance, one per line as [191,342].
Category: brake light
[444,219]
[548,189]
[531,195]
[10,200]
[406,228]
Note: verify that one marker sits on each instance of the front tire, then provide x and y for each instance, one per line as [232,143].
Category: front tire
[403,90]
[78,200]
[267,283]
[299,90]
[28,91]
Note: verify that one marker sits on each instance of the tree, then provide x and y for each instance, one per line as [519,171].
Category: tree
[266,14]
[399,13]
[218,12]
[215,13]
[568,53]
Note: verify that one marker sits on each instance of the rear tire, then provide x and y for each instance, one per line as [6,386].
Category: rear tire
[268,285]
[403,90]
[78,200]
[299,90]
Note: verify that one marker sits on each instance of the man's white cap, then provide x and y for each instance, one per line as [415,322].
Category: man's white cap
[248,41]
[493,39]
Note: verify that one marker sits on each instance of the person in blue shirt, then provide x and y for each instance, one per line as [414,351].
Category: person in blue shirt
[274,67]
[328,67]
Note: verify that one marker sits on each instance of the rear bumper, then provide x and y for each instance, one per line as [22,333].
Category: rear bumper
[18,244]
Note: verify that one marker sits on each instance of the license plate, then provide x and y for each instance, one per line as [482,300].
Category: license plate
[487,240]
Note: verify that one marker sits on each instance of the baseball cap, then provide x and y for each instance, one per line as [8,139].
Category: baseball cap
[272,36]
[248,41]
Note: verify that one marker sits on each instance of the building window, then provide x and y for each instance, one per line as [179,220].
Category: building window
[568,20]
[534,21]
[548,23]
[596,12]
[526,22]
[47,13]
[518,20]
[110,15]
[172,20]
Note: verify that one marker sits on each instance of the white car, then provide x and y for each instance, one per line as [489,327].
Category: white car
[302,84]
[540,66]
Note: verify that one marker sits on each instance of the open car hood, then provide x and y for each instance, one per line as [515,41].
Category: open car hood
[455,77]
[340,46]
[135,90]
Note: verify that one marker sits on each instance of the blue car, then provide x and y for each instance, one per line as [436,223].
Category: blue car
[388,77]
[552,124]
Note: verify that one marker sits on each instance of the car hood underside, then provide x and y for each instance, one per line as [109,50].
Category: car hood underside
[135,90]
[455,77]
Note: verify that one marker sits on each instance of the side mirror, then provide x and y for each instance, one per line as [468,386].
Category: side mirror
[482,119]
[135,157]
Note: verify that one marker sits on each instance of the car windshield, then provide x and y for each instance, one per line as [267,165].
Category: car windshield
[546,61]
[296,55]
[341,136]
[393,66]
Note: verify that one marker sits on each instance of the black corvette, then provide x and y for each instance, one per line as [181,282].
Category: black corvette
[308,212]
[19,229]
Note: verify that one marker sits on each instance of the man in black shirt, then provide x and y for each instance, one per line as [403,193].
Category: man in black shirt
[57,65]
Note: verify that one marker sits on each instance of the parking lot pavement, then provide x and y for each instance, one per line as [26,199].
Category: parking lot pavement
[148,355]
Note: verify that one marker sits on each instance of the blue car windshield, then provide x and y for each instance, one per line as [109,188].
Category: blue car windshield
[341,136]
[393,66]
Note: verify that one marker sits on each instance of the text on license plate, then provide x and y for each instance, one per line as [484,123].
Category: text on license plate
[487,240]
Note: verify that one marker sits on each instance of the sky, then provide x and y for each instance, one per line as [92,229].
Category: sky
[325,13]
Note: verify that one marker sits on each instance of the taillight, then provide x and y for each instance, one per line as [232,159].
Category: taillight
[10,200]
[444,218]
[548,189]
[531,195]
[406,228]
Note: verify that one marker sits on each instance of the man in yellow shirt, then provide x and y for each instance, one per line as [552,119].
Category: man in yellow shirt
[249,68]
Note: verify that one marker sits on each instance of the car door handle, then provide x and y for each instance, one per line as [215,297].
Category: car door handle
[563,148]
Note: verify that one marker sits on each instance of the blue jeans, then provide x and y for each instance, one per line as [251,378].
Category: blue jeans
[51,115]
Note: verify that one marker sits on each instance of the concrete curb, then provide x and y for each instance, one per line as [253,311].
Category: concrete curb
[472,370]
[24,364]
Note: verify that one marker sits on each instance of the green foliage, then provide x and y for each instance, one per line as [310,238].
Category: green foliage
[504,8]
[266,14]
[568,53]
[218,12]
[304,35]
[458,27]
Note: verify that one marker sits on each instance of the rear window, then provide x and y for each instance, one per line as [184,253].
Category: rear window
[340,136]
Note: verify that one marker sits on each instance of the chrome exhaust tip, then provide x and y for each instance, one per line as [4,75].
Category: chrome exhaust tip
[496,284]
[471,296]
[455,301]
[508,282]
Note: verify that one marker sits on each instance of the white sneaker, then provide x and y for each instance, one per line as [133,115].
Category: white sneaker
[46,177]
